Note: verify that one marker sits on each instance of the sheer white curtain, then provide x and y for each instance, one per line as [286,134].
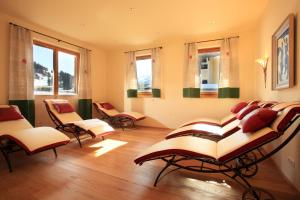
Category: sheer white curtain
[191,86]
[21,64]
[84,78]
[156,72]
[84,85]
[229,69]
[131,75]
[21,89]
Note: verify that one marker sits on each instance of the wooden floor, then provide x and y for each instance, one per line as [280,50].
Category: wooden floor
[94,172]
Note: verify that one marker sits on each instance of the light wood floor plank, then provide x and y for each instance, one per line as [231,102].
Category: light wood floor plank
[81,174]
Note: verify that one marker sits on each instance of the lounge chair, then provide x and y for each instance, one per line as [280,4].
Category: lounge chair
[231,117]
[230,156]
[66,119]
[225,120]
[114,117]
[16,133]
[217,132]
[213,131]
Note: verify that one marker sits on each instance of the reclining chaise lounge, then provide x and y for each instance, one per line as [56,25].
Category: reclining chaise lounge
[114,117]
[230,117]
[66,119]
[16,133]
[217,131]
[229,156]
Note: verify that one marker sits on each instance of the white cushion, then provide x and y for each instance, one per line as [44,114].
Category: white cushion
[115,113]
[36,138]
[94,126]
[205,128]
[239,139]
[187,145]
[64,118]
[283,105]
[10,127]
[89,123]
[226,149]
[209,120]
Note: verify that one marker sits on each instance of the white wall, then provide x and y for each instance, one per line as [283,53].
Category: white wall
[98,59]
[275,13]
[172,109]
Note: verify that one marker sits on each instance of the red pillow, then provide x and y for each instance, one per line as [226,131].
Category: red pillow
[107,106]
[248,109]
[236,108]
[258,119]
[63,107]
[9,113]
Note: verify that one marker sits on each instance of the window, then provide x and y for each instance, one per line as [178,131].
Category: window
[55,70]
[144,74]
[209,61]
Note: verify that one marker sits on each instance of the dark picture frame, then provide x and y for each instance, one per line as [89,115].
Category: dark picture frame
[283,55]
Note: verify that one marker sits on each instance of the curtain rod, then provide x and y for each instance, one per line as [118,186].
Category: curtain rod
[211,40]
[143,49]
[59,40]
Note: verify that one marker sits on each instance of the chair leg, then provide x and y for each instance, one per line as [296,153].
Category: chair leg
[160,173]
[6,156]
[78,139]
[55,153]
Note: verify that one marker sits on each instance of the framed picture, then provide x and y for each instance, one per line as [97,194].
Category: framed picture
[283,51]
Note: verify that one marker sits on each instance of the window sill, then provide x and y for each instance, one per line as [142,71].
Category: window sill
[55,94]
[208,95]
[144,94]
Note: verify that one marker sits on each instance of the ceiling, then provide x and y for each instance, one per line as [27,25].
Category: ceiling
[125,23]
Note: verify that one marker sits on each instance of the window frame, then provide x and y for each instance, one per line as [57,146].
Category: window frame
[209,50]
[144,93]
[57,49]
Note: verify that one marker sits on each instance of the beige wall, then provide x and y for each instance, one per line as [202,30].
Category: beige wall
[275,13]
[98,59]
[172,109]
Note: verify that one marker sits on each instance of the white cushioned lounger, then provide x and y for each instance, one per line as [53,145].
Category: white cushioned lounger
[115,113]
[228,147]
[235,156]
[216,131]
[207,129]
[223,150]
[229,118]
[31,140]
[224,121]
[94,127]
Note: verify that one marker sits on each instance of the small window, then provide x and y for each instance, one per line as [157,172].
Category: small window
[144,74]
[55,70]
[66,75]
[209,64]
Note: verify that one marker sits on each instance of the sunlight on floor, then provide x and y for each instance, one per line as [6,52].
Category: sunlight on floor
[199,183]
[221,184]
[106,146]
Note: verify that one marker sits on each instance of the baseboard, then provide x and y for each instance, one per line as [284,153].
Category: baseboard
[283,175]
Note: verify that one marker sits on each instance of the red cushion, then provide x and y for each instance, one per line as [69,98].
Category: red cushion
[107,106]
[9,113]
[248,109]
[63,107]
[236,108]
[258,119]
